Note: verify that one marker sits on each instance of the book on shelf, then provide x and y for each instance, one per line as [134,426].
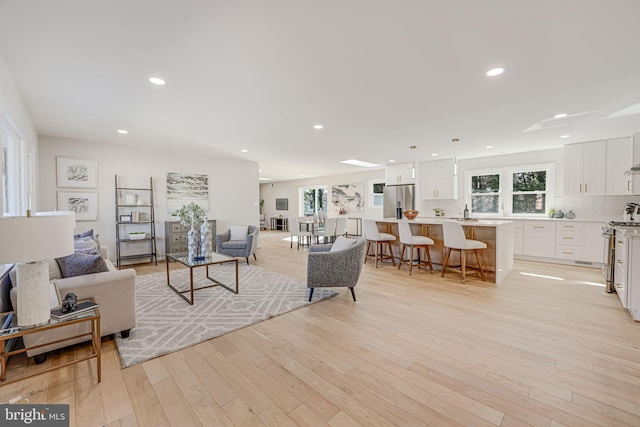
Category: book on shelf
[80,308]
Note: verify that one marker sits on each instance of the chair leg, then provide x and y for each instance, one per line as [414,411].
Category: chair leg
[367,251]
[463,264]
[479,265]
[429,258]
[377,248]
[411,260]
[247,258]
[401,255]
[310,294]
[255,257]
[446,261]
[353,294]
[393,261]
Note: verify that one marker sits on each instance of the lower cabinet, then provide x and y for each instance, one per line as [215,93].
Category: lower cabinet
[539,239]
[175,236]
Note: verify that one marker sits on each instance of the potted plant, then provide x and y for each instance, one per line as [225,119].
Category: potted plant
[190,214]
[137,235]
[552,212]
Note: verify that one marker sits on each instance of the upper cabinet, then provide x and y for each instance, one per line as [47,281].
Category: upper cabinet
[438,180]
[401,173]
[585,168]
[619,160]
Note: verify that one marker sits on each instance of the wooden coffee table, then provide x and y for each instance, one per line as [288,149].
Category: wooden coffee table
[214,258]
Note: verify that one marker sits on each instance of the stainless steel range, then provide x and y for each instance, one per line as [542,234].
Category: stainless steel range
[609,233]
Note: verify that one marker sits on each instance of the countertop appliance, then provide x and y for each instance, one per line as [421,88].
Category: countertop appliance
[397,199]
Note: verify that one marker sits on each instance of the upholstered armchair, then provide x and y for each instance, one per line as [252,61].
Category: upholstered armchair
[336,264]
[238,241]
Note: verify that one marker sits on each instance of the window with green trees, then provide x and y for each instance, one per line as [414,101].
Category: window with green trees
[314,199]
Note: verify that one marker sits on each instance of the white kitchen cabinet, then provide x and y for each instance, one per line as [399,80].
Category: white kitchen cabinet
[438,180]
[539,239]
[569,240]
[401,173]
[633,277]
[619,160]
[636,160]
[593,245]
[585,168]
[518,237]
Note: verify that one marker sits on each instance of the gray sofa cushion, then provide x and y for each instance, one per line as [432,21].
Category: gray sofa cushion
[78,264]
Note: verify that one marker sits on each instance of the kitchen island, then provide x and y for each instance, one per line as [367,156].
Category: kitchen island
[497,259]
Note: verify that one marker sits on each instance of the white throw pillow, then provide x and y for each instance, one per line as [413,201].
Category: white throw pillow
[239,232]
[342,243]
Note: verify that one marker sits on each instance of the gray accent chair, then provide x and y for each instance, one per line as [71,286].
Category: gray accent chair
[238,248]
[335,269]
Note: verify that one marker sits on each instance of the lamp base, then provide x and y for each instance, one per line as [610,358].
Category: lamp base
[33,307]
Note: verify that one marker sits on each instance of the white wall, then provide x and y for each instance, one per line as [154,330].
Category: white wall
[233,184]
[269,192]
[12,105]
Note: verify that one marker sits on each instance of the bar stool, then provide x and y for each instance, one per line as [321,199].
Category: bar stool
[414,242]
[454,239]
[380,240]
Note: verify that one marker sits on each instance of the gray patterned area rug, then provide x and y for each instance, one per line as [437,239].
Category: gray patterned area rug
[166,323]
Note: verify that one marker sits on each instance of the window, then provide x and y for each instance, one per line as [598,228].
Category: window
[529,192]
[522,190]
[313,199]
[376,193]
[13,176]
[485,193]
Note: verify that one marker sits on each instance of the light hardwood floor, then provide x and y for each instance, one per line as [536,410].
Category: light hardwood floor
[548,347]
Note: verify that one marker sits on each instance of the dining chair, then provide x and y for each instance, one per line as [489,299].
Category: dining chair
[379,240]
[455,239]
[418,243]
[341,226]
[300,235]
[328,233]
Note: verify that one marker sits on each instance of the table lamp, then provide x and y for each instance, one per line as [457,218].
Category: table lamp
[29,241]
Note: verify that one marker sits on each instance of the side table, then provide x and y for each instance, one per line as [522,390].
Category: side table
[92,316]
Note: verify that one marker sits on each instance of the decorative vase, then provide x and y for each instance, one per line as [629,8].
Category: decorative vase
[193,243]
[570,215]
[204,238]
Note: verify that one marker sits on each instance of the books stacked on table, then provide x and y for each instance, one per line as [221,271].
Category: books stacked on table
[80,308]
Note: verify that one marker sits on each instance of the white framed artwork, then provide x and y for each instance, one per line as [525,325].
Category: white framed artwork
[83,203]
[348,197]
[72,172]
[184,188]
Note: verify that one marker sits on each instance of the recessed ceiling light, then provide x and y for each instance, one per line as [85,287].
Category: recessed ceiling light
[123,131]
[318,126]
[244,150]
[495,71]
[560,116]
[359,163]
[264,179]
[435,154]
[565,136]
[489,146]
[157,81]
[391,161]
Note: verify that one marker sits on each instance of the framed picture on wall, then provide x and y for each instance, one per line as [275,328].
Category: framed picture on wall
[282,204]
[83,203]
[72,172]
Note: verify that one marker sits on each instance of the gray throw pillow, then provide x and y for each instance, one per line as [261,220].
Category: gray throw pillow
[87,242]
[79,263]
[87,233]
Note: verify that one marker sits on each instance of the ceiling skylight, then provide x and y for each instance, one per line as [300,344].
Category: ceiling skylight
[355,162]
[123,131]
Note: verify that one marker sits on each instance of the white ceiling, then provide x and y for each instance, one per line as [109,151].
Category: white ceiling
[379,75]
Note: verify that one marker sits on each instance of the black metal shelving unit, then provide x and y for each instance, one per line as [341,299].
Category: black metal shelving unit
[124,207]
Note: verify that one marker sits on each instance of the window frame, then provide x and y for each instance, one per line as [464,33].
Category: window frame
[19,171]
[372,196]
[505,194]
[301,192]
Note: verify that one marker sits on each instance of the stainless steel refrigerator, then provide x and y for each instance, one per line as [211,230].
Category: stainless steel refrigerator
[398,196]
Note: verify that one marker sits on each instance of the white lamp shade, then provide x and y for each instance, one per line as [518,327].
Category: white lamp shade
[44,236]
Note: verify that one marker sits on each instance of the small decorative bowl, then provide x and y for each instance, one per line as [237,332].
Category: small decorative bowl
[137,236]
[412,214]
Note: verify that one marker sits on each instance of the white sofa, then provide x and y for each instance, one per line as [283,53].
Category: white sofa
[115,293]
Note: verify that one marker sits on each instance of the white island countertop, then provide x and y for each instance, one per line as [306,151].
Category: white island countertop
[438,221]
